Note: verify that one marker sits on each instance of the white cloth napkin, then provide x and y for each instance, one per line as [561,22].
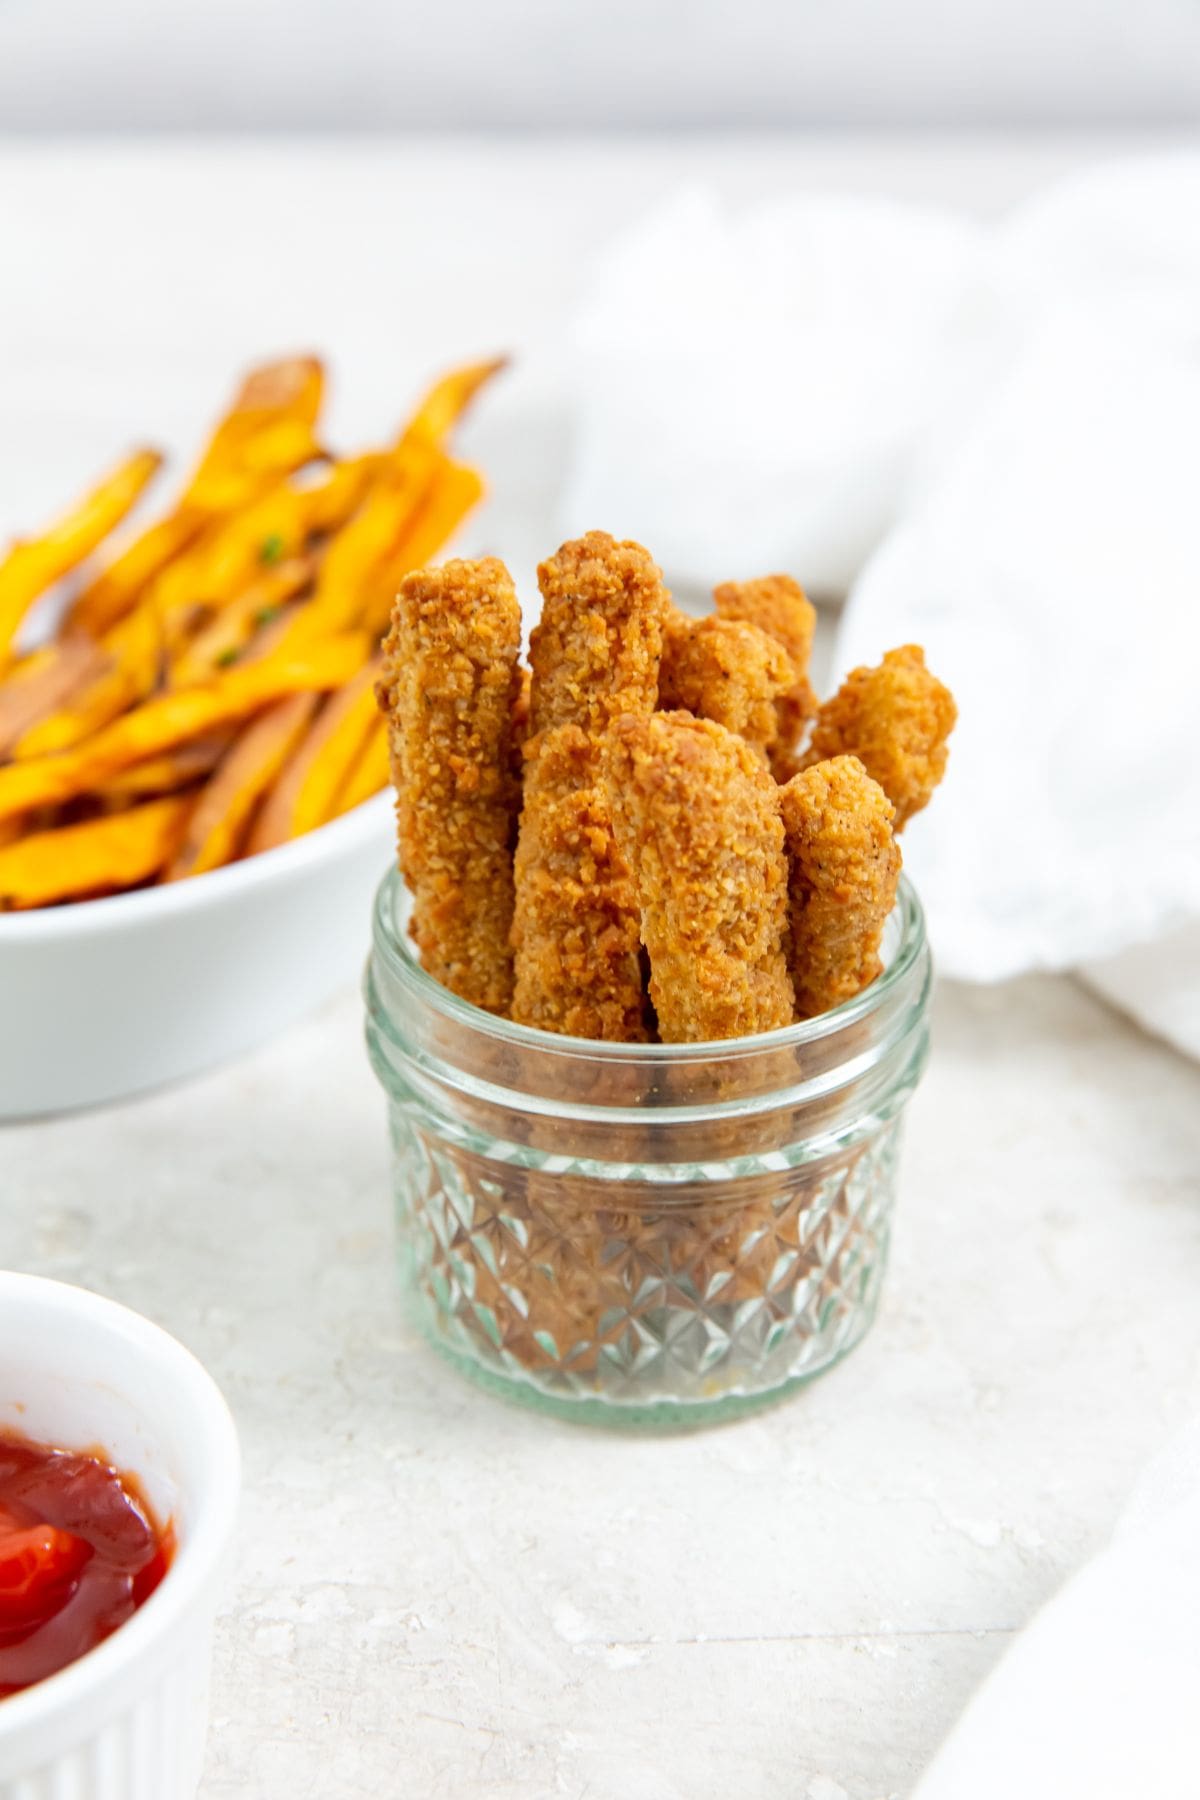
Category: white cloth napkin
[1012,416]
[752,388]
[1099,1699]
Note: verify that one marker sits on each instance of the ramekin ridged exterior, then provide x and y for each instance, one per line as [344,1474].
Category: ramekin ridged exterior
[127,1721]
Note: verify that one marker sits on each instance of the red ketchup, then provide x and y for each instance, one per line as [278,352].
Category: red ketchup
[78,1556]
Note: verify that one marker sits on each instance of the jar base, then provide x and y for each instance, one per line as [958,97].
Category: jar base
[667,1416]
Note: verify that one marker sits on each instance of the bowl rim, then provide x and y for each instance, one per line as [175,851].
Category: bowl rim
[109,1665]
[117,911]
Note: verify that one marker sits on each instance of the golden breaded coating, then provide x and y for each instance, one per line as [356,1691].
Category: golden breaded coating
[727,671]
[697,818]
[895,718]
[575,930]
[596,650]
[845,863]
[778,605]
[520,721]
[448,689]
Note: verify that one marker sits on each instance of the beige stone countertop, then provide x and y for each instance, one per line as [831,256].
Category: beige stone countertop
[439,1594]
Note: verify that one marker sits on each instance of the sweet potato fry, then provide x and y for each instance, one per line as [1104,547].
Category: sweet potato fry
[779,606]
[114,590]
[176,718]
[445,402]
[220,642]
[286,385]
[179,664]
[697,819]
[226,558]
[845,863]
[413,498]
[442,491]
[454,489]
[267,433]
[36,564]
[167,773]
[352,563]
[306,794]
[217,826]
[131,665]
[335,496]
[73,861]
[181,553]
[370,773]
[43,681]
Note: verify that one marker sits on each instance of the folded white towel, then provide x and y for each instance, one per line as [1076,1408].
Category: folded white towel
[751,390]
[1016,414]
[1099,1698]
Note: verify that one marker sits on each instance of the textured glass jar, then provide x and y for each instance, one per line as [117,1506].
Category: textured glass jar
[634,1232]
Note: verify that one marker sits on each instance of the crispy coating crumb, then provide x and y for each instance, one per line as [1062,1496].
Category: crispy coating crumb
[778,605]
[895,718]
[520,721]
[845,863]
[727,671]
[697,817]
[575,930]
[449,684]
[596,650]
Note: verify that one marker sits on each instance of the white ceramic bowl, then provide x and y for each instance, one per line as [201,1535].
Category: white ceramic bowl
[128,1720]
[108,997]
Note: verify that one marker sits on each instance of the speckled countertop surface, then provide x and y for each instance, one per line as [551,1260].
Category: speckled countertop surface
[438,1594]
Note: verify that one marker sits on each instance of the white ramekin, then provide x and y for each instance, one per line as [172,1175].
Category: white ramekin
[128,1720]
[109,997]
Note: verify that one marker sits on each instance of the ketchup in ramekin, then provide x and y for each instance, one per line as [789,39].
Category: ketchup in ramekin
[78,1556]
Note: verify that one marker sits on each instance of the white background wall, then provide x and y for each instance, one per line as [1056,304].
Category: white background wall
[335,64]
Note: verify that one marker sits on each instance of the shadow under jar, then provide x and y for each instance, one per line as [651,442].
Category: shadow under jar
[644,1233]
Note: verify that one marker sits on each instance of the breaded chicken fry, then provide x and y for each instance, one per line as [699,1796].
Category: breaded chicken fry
[520,721]
[595,655]
[596,650]
[778,606]
[697,818]
[450,680]
[575,930]
[895,718]
[845,863]
[727,671]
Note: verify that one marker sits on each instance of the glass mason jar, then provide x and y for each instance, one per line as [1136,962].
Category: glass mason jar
[644,1232]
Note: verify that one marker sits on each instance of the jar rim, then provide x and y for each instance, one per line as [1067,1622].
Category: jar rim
[395,946]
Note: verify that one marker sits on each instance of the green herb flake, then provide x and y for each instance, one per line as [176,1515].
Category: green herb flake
[228,657]
[271,549]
